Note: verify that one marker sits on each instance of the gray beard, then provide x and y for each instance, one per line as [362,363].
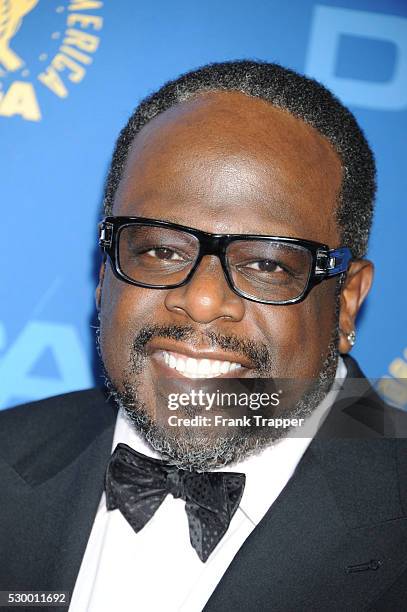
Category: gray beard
[193,448]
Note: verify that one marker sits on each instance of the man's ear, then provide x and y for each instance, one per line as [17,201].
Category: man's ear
[98,292]
[357,285]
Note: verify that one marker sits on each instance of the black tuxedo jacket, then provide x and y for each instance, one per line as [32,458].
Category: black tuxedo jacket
[335,539]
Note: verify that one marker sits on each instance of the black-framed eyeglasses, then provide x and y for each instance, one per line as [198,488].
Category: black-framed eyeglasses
[267,269]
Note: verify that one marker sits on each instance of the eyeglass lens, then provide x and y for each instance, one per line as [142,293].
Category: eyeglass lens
[261,269]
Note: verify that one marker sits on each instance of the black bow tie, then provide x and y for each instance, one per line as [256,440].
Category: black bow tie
[137,485]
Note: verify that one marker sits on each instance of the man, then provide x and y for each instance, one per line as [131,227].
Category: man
[237,212]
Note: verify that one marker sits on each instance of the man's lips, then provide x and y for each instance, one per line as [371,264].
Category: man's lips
[189,362]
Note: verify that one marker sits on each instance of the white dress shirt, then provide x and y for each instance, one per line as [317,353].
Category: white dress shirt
[157,568]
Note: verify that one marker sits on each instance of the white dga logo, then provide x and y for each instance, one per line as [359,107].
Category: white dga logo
[57,57]
[329,25]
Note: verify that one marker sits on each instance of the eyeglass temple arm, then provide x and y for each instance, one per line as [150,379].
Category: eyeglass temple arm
[338,261]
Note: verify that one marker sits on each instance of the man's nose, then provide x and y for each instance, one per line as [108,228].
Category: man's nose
[207,296]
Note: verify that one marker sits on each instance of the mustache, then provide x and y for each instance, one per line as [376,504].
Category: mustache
[256,352]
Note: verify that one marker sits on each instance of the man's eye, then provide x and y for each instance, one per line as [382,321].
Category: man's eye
[163,253]
[265,265]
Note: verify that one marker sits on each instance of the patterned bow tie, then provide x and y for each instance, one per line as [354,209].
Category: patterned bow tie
[137,485]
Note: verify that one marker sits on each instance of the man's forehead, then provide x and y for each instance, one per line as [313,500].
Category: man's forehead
[233,118]
[226,148]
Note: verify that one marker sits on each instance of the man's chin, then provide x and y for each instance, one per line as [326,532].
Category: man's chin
[194,440]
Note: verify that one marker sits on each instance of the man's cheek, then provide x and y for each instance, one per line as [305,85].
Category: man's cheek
[318,327]
[124,310]
[296,338]
[116,321]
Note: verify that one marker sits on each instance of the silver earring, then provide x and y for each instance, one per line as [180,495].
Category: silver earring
[351,337]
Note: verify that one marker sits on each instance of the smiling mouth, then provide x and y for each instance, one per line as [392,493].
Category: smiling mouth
[190,367]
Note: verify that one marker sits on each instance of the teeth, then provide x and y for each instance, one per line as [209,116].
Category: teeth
[224,367]
[204,367]
[191,366]
[199,368]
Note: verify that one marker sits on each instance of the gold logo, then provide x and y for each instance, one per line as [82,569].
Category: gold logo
[70,32]
[11,15]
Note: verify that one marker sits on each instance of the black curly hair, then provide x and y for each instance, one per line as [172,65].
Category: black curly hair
[302,97]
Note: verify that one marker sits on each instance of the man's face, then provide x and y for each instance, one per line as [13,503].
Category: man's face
[223,163]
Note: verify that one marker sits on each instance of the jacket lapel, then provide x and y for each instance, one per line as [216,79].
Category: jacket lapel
[52,517]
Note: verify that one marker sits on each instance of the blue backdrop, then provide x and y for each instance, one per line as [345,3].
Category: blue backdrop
[70,74]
